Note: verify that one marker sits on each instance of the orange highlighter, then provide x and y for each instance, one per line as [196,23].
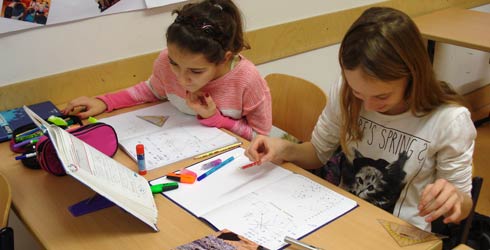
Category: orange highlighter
[183,178]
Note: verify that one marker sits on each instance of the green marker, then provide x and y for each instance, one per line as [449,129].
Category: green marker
[91,119]
[58,121]
[164,187]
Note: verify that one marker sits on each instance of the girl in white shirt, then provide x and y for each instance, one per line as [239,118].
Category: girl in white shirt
[391,133]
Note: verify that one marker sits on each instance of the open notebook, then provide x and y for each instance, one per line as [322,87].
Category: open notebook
[264,203]
[109,178]
[180,136]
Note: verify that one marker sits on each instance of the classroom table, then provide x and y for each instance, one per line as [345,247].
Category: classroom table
[41,201]
[456,26]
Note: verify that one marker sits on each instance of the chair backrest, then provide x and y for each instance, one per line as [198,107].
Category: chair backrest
[296,104]
[6,233]
[477,183]
[5,201]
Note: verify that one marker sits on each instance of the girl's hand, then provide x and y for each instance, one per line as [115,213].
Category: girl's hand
[264,149]
[201,103]
[93,106]
[441,198]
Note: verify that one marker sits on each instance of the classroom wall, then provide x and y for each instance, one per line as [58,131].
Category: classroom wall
[54,49]
[465,69]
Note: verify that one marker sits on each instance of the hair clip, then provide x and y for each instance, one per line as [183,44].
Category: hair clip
[218,6]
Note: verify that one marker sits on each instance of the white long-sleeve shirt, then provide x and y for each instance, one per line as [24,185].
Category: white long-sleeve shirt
[399,154]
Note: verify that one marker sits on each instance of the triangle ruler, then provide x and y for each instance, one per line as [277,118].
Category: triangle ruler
[157,120]
[407,235]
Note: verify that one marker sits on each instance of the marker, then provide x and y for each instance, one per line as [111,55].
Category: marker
[211,164]
[219,150]
[30,155]
[212,170]
[251,164]
[25,143]
[58,121]
[90,119]
[300,244]
[184,178]
[164,187]
[28,132]
[29,136]
[140,154]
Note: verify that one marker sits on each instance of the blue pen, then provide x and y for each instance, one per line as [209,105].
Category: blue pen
[212,170]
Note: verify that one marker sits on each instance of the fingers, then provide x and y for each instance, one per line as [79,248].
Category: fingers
[440,199]
[258,149]
[84,107]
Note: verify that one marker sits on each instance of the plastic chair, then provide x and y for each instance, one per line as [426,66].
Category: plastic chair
[6,233]
[296,104]
[458,234]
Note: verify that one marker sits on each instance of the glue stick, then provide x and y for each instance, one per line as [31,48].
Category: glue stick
[140,153]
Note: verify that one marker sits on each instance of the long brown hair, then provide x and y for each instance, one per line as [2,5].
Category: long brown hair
[386,44]
[209,27]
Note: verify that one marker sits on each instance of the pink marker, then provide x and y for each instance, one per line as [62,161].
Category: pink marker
[211,164]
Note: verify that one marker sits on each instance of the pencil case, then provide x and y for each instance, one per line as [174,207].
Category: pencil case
[99,135]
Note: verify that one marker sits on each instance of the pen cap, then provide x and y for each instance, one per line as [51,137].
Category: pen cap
[140,149]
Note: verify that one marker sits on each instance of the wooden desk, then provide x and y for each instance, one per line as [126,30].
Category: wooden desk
[41,202]
[461,27]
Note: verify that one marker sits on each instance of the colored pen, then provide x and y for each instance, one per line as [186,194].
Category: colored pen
[28,132]
[251,164]
[184,178]
[212,170]
[211,164]
[219,150]
[164,187]
[25,143]
[300,244]
[29,136]
[20,157]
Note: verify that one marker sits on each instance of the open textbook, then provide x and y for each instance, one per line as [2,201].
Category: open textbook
[168,134]
[104,175]
[263,203]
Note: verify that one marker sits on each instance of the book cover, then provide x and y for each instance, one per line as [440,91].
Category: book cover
[14,118]
[224,240]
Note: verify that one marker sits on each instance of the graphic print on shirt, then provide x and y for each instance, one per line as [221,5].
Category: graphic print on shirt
[376,181]
[383,163]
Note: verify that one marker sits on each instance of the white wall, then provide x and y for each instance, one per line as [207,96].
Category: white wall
[54,49]
[465,69]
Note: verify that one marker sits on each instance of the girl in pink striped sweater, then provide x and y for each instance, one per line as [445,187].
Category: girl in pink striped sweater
[201,73]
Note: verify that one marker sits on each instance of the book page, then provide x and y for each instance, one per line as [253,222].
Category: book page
[105,176]
[293,206]
[226,184]
[101,173]
[180,137]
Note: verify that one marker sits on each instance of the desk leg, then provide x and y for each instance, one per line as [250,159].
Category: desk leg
[431,47]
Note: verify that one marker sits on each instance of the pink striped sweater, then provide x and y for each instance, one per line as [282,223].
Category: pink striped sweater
[241,96]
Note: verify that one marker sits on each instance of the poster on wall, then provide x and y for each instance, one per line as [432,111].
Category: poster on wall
[25,14]
[158,3]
